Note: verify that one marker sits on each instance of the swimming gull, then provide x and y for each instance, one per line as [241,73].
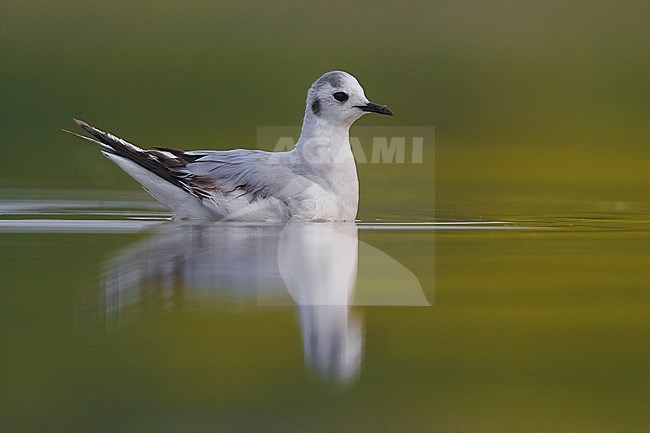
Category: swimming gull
[317,180]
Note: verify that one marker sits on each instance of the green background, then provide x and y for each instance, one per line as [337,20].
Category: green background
[539,101]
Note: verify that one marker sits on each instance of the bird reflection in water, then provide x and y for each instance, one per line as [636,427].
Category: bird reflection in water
[312,266]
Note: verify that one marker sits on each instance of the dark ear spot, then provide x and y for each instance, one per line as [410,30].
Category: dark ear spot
[315,107]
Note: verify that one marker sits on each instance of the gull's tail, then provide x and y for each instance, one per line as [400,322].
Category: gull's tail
[160,171]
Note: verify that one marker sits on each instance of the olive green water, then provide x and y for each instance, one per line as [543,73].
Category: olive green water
[500,285]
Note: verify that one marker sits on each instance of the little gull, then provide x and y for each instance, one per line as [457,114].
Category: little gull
[317,180]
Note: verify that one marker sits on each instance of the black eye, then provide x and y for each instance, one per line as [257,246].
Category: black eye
[341,96]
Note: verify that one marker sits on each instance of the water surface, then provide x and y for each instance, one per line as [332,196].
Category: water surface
[117,319]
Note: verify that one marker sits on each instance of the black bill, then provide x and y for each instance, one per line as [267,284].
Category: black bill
[375,108]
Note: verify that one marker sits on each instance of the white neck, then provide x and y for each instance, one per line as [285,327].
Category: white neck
[324,147]
[324,143]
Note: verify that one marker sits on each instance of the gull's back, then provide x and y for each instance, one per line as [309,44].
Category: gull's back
[254,185]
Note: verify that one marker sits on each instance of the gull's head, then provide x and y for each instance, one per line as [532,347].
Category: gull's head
[337,97]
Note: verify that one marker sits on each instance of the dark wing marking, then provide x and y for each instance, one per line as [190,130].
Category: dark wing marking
[185,158]
[168,164]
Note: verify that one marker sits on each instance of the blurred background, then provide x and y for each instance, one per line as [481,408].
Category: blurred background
[540,110]
[542,103]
